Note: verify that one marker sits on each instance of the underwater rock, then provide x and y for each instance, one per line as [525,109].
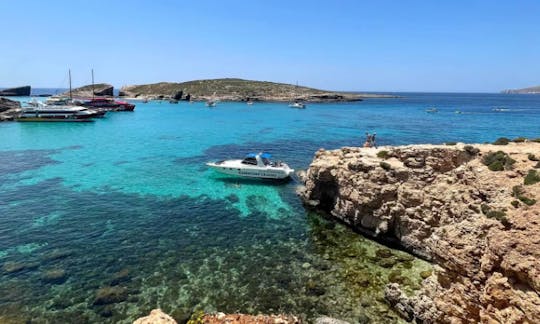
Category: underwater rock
[56,254]
[329,320]
[110,295]
[232,198]
[157,316]
[13,267]
[56,276]
[383,253]
[120,277]
[444,204]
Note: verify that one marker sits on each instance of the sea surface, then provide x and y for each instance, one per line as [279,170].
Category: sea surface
[104,221]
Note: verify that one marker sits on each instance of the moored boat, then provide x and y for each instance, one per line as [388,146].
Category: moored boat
[297,105]
[108,104]
[253,166]
[48,113]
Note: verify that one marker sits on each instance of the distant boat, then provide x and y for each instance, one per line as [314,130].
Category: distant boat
[249,103]
[108,104]
[458,112]
[297,104]
[145,100]
[212,102]
[253,166]
[173,101]
[432,110]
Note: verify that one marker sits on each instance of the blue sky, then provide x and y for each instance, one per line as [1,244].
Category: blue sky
[469,46]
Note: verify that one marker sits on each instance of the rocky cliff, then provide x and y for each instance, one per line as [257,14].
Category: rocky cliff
[100,89]
[19,91]
[240,90]
[8,109]
[471,209]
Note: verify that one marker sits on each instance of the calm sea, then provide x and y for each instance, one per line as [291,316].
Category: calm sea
[103,221]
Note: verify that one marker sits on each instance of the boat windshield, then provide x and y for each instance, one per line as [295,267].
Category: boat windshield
[249,160]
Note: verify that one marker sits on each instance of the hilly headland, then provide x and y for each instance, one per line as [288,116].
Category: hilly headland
[528,90]
[229,89]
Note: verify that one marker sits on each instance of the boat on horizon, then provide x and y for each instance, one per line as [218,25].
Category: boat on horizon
[297,103]
[254,165]
[432,110]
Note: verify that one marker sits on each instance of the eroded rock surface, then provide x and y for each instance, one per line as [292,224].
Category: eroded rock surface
[443,204]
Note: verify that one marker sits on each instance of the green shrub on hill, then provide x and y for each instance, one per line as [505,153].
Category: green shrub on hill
[498,161]
[501,141]
[531,178]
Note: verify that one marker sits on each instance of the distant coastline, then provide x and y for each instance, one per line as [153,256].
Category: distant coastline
[528,90]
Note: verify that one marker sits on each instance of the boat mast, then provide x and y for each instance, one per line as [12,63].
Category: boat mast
[70,96]
[92,83]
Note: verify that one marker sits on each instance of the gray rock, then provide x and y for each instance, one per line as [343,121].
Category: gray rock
[18,91]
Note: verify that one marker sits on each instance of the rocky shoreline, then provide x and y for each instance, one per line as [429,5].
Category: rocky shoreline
[470,209]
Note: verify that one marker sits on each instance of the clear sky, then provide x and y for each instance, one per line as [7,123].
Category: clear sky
[407,45]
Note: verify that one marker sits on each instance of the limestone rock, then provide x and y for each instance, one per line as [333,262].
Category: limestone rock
[110,295]
[441,203]
[157,316]
[100,89]
[221,318]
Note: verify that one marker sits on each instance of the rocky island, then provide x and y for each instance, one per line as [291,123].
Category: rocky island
[8,109]
[470,209]
[240,90]
[529,90]
[16,92]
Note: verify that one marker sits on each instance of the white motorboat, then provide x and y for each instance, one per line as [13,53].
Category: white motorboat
[42,112]
[297,105]
[253,166]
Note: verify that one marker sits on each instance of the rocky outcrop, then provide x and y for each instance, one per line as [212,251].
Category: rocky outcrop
[8,109]
[442,203]
[240,90]
[157,316]
[100,89]
[18,91]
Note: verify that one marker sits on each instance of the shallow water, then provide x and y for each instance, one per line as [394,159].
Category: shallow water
[126,202]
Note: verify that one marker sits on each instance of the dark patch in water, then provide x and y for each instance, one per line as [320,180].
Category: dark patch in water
[12,162]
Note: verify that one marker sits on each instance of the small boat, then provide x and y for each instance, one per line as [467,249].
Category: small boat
[297,105]
[211,103]
[249,102]
[48,113]
[58,101]
[253,166]
[432,110]
[145,100]
[108,104]
[173,101]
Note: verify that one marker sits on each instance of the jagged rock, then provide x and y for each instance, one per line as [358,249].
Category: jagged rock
[443,204]
[18,91]
[100,89]
[7,104]
[157,316]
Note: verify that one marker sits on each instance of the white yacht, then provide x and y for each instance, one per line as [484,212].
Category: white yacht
[254,166]
[42,112]
[297,105]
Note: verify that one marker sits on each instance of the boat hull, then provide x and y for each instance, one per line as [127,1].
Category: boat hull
[257,173]
[38,119]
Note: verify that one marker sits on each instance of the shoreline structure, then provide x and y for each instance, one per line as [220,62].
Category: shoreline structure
[470,209]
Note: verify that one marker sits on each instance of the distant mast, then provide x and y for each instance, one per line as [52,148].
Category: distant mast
[70,96]
[92,83]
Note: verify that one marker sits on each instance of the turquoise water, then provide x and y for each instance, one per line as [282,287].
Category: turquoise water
[125,203]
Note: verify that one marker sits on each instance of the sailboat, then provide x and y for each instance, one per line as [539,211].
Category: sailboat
[212,102]
[297,104]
